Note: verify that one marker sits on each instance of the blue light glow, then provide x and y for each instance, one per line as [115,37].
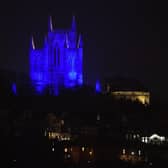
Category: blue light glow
[14,89]
[59,62]
[72,75]
[98,86]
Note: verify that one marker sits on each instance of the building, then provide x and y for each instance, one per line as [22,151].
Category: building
[59,63]
[127,89]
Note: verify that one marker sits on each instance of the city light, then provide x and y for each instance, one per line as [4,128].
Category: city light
[83,149]
[123,152]
[90,153]
[65,150]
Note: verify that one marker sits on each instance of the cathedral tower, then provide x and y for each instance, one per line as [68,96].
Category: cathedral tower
[59,63]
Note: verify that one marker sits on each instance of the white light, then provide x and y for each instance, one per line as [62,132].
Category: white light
[150,164]
[162,138]
[45,133]
[143,139]
[146,139]
[62,122]
[83,149]
[155,136]
[132,153]
[98,117]
[65,150]
[53,149]
[90,153]
[139,152]
[123,151]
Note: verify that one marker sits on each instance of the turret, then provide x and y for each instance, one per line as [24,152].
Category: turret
[50,24]
[80,42]
[67,41]
[73,25]
[32,45]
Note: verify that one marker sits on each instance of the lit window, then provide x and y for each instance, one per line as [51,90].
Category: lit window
[90,153]
[45,133]
[123,151]
[65,150]
[62,122]
[146,139]
[132,153]
[98,117]
[83,149]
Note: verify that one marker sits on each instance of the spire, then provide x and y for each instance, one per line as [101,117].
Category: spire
[32,43]
[80,42]
[67,41]
[73,25]
[50,24]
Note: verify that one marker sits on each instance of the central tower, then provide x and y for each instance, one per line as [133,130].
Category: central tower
[59,63]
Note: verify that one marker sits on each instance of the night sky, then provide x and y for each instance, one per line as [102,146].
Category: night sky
[126,38]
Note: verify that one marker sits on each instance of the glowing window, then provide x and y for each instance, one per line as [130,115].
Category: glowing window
[65,150]
[123,151]
[83,149]
[90,153]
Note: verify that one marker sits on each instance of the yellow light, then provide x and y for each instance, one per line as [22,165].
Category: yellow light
[49,135]
[83,149]
[65,150]
[90,153]
[142,97]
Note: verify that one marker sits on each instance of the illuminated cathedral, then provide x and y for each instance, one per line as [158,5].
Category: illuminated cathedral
[59,63]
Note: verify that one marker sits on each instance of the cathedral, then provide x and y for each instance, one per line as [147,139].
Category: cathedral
[59,63]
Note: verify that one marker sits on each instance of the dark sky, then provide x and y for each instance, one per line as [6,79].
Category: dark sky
[122,38]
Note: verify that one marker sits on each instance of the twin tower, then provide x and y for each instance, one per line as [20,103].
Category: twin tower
[60,62]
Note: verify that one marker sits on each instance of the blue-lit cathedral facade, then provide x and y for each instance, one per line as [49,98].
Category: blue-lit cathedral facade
[59,63]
